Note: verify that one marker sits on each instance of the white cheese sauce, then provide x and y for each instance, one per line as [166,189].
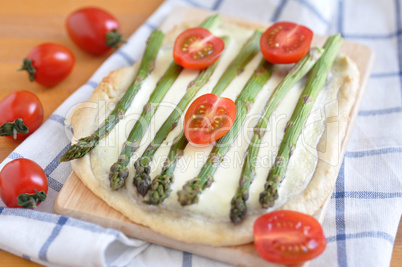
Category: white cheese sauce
[214,202]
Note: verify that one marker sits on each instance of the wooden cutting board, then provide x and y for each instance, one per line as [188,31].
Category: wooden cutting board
[77,201]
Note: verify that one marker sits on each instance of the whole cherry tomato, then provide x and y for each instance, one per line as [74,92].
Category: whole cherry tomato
[21,114]
[94,30]
[197,48]
[285,42]
[209,118]
[23,184]
[288,237]
[48,63]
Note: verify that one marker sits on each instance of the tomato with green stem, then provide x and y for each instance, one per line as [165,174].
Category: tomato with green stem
[288,237]
[209,118]
[48,64]
[21,114]
[285,42]
[197,48]
[23,184]
[94,30]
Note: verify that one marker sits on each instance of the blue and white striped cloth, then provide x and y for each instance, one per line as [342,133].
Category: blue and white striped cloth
[366,205]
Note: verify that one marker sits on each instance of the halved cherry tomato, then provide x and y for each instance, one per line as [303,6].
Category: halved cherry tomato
[209,118]
[94,30]
[49,63]
[23,184]
[285,42]
[288,237]
[197,48]
[22,105]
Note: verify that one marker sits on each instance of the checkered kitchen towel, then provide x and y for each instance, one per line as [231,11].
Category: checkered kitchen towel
[365,207]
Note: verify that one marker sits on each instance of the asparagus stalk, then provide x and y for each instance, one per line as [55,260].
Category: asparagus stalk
[296,123]
[86,144]
[142,180]
[192,188]
[238,204]
[119,171]
[160,188]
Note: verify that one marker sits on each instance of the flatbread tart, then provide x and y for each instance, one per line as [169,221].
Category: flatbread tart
[310,175]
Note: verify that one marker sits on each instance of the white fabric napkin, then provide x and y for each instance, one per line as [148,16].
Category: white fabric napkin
[364,210]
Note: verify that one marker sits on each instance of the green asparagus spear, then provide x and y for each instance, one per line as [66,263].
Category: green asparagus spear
[238,204]
[119,171]
[142,180]
[296,123]
[191,189]
[86,144]
[160,187]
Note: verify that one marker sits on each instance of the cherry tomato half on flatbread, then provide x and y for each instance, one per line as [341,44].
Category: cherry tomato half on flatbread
[23,184]
[94,30]
[197,48]
[285,42]
[22,105]
[209,118]
[288,237]
[48,63]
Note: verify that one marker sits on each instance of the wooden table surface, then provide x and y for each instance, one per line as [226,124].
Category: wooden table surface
[25,24]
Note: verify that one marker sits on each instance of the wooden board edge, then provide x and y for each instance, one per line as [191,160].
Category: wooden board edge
[240,255]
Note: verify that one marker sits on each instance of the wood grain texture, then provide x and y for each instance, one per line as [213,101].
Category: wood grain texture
[25,24]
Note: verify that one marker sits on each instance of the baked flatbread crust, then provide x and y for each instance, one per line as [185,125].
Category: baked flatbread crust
[195,228]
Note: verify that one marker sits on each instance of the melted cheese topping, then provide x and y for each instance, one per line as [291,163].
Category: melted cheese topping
[214,202]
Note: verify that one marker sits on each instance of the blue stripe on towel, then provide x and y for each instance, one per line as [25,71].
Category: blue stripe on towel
[53,183]
[373,36]
[386,111]
[340,218]
[57,118]
[92,84]
[187,259]
[369,234]
[386,74]
[217,4]
[150,25]
[51,238]
[15,155]
[279,10]
[366,195]
[373,152]
[340,17]
[314,10]
[193,3]
[399,27]
[26,257]
[55,162]
[126,57]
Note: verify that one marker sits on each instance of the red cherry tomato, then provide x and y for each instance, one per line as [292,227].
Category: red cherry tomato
[49,63]
[20,105]
[288,237]
[209,118]
[285,42]
[94,30]
[23,184]
[197,48]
